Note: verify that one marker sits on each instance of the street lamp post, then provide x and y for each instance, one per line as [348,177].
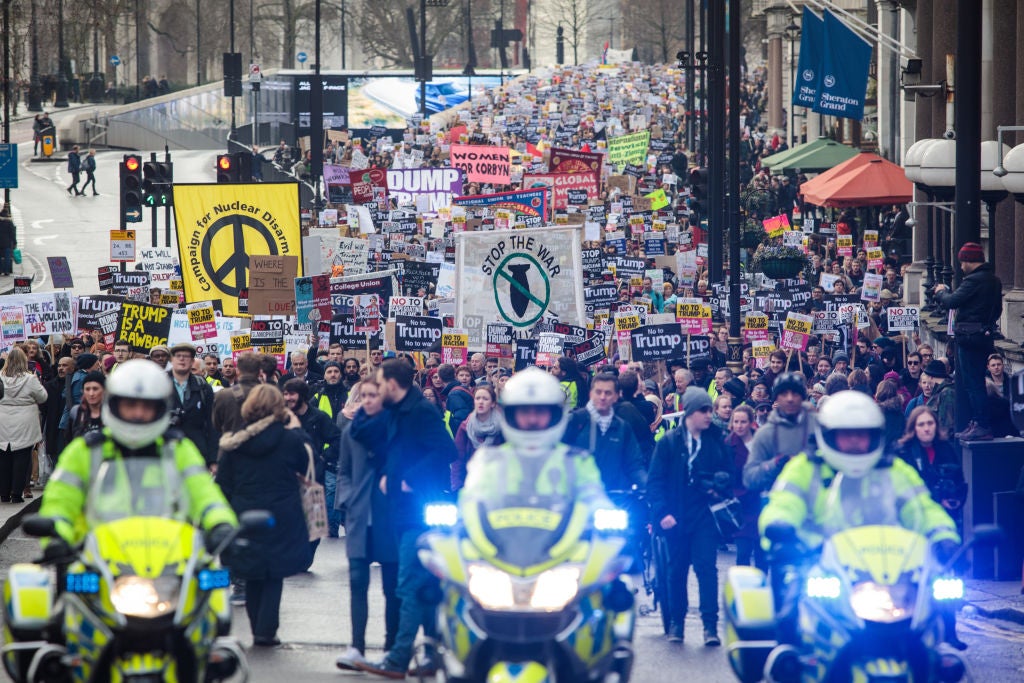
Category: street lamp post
[793,34]
[316,121]
[7,87]
[34,97]
[199,49]
[735,341]
[62,80]
[343,46]
[96,82]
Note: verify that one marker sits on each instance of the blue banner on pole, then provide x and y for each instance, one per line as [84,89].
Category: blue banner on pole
[843,75]
[805,92]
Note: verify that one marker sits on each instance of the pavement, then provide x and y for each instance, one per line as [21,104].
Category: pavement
[11,514]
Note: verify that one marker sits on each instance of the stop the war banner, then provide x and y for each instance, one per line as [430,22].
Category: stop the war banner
[519,277]
[482,163]
[438,185]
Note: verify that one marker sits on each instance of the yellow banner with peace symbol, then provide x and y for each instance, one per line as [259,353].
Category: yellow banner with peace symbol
[219,226]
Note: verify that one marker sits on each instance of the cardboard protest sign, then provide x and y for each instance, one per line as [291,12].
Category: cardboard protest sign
[796,331]
[419,276]
[844,245]
[526,353]
[144,326]
[350,252]
[694,316]
[342,331]
[482,163]
[201,320]
[656,342]
[776,225]
[312,300]
[876,258]
[416,333]
[454,346]
[272,285]
[60,272]
[498,339]
[562,184]
[629,149]
[572,161]
[160,262]
[755,326]
[902,318]
[366,183]
[240,343]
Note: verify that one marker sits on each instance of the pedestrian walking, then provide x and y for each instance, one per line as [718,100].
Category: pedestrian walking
[19,424]
[258,470]
[75,169]
[8,241]
[89,166]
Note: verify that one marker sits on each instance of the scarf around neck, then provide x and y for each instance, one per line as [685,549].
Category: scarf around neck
[480,431]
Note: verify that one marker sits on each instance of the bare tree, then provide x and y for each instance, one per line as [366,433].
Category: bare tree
[383,32]
[578,18]
[656,28]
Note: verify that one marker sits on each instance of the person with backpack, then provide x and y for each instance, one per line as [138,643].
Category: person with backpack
[458,398]
[89,166]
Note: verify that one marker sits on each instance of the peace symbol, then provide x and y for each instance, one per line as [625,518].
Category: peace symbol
[238,263]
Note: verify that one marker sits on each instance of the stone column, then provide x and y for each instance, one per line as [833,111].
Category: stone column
[916,275]
[1000,41]
[1013,300]
[778,18]
[888,76]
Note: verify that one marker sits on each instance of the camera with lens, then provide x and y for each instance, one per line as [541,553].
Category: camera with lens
[177,414]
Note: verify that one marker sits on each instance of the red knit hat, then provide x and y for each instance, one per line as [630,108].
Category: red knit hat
[971,252]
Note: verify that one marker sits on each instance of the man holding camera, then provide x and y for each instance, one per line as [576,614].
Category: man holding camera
[192,403]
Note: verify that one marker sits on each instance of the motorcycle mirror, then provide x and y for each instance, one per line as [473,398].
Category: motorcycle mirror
[780,532]
[39,526]
[256,520]
[988,534]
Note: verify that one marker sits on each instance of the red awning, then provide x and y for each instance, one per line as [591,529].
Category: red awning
[865,180]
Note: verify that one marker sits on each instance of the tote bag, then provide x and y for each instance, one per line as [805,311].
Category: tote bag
[314,501]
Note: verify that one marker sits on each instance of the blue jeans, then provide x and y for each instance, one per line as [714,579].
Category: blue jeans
[413,581]
[6,260]
[333,516]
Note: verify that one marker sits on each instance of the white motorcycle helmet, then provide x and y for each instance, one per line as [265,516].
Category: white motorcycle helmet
[848,411]
[532,388]
[141,380]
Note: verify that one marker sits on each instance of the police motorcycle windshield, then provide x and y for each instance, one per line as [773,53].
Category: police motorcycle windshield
[136,487]
[524,527]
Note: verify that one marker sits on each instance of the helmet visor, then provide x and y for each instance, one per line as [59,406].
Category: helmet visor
[137,410]
[853,441]
[533,418]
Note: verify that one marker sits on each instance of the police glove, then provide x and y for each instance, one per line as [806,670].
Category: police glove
[945,550]
[216,536]
[57,551]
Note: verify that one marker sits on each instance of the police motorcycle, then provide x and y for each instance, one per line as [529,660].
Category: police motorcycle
[141,600]
[531,587]
[531,593]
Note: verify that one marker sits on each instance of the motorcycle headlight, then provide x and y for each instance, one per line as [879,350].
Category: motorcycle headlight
[611,520]
[491,587]
[135,596]
[948,589]
[823,587]
[882,604]
[555,588]
[441,514]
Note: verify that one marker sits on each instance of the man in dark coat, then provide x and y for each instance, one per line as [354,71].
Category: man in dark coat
[192,402]
[8,241]
[691,470]
[978,302]
[596,429]
[362,505]
[227,403]
[419,452]
[322,431]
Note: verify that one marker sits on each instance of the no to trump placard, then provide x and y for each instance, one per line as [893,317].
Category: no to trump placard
[902,318]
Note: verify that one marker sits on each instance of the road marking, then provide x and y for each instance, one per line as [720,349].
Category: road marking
[38,225]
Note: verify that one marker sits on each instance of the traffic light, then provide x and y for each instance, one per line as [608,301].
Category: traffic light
[158,178]
[131,189]
[227,169]
[699,190]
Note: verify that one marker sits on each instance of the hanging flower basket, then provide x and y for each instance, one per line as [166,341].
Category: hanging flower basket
[782,268]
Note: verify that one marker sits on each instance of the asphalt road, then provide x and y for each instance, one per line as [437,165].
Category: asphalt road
[315,630]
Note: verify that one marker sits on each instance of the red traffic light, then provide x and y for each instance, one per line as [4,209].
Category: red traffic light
[132,163]
[224,162]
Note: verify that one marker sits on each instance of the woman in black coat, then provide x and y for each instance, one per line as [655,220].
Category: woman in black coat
[257,470]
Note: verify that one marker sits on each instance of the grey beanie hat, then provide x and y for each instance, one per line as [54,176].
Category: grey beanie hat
[695,399]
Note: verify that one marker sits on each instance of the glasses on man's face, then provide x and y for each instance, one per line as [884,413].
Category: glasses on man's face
[913,362]
[927,355]
[76,346]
